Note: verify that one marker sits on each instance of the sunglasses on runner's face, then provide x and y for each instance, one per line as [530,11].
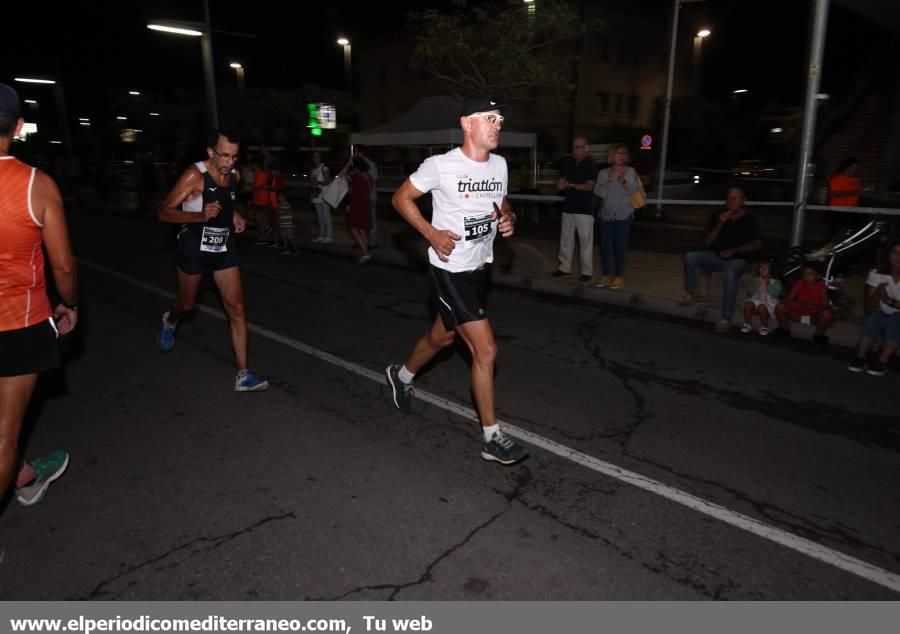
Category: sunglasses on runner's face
[493,119]
[225,155]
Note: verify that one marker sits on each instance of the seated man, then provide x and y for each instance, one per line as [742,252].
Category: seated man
[733,237]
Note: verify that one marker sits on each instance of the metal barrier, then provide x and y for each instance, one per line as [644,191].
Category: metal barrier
[886,211]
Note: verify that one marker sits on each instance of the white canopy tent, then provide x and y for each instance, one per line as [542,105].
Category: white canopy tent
[434,122]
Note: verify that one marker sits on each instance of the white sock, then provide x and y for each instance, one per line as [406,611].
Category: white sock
[490,431]
[405,375]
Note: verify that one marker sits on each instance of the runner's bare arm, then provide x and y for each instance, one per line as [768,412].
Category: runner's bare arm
[188,187]
[48,207]
[404,201]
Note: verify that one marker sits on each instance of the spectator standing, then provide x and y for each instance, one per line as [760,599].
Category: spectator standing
[576,182]
[359,218]
[359,151]
[319,177]
[615,185]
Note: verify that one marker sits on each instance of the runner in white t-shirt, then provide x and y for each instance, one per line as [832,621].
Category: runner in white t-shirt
[468,187]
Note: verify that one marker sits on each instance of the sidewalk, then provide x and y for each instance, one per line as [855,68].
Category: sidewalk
[654,281]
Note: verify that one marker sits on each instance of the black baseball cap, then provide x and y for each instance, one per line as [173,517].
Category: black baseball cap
[485,104]
[9,102]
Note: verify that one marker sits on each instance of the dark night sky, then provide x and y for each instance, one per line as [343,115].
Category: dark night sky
[104,44]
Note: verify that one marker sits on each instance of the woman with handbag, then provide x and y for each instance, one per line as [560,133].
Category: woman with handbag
[616,185]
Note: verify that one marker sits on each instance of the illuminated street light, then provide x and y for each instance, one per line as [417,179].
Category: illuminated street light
[58,96]
[34,80]
[134,92]
[739,91]
[348,72]
[166,28]
[703,33]
[239,72]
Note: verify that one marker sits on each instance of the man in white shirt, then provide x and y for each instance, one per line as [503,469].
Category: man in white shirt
[468,186]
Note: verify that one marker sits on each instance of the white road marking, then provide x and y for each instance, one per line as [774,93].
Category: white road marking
[784,538]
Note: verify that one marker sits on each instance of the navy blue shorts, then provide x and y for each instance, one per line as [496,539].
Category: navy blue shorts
[196,262]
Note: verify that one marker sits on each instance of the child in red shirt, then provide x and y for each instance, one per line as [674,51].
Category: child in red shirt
[807,303]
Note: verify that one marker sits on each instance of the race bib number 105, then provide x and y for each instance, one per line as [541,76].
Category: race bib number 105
[477,228]
[214,240]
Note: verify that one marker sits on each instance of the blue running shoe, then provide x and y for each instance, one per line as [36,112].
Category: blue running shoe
[502,449]
[166,337]
[246,381]
[48,469]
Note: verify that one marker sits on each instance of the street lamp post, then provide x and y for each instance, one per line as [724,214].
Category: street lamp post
[348,68]
[201,30]
[60,98]
[804,167]
[668,105]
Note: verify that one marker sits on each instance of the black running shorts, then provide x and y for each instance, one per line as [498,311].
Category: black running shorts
[460,297]
[29,350]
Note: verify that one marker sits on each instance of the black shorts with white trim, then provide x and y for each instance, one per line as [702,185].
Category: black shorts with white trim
[460,297]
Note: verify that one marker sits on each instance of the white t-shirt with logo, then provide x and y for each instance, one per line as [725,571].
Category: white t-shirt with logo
[876,279]
[463,192]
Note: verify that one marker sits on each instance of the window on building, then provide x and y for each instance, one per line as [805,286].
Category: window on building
[634,104]
[619,99]
[603,101]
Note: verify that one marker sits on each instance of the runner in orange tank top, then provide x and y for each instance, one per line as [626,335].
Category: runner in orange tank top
[31,216]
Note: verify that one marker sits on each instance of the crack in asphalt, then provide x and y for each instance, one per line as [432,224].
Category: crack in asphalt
[834,530]
[867,429]
[523,478]
[686,580]
[777,515]
[190,549]
[629,376]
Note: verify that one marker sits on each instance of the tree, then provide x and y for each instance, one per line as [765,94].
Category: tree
[505,48]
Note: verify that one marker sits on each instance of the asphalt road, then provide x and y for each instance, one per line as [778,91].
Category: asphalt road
[764,470]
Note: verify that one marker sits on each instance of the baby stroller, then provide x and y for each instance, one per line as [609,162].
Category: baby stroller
[851,250]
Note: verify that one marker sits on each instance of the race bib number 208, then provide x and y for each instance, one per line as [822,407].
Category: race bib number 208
[214,239]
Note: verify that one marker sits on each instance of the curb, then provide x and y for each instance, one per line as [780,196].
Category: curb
[840,334]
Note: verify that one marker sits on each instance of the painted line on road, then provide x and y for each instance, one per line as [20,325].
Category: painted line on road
[733,518]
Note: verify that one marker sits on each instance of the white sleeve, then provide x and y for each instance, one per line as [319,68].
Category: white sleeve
[874,278]
[428,176]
